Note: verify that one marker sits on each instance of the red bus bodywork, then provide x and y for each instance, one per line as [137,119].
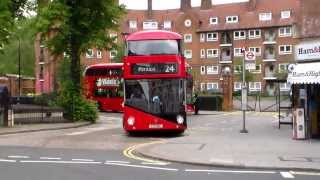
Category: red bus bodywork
[106,78]
[136,119]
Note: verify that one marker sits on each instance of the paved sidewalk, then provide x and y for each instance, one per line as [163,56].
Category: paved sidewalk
[214,139]
[40,127]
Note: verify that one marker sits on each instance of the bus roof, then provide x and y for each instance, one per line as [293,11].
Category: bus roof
[102,65]
[153,35]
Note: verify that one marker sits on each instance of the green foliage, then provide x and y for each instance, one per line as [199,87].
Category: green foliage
[120,54]
[49,99]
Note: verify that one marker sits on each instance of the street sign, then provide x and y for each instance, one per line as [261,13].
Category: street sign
[250,66]
[249,56]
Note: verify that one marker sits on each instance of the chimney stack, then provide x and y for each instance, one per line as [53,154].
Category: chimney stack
[185,5]
[150,8]
[252,5]
[206,4]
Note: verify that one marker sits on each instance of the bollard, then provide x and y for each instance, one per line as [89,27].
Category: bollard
[10,118]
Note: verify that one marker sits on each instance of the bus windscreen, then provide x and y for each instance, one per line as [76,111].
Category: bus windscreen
[153,47]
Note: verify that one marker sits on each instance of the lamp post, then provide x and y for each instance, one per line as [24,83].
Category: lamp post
[19,69]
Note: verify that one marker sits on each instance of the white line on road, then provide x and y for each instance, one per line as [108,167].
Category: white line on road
[50,158]
[287,175]
[139,166]
[7,160]
[62,162]
[230,171]
[305,173]
[86,160]
[121,162]
[19,157]
[77,133]
[155,163]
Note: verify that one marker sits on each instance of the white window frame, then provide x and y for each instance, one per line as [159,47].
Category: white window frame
[213,84]
[133,24]
[167,24]
[188,53]
[203,86]
[213,20]
[99,54]
[113,54]
[232,19]
[285,86]
[238,52]
[237,86]
[115,36]
[187,38]
[202,70]
[285,32]
[91,54]
[187,23]
[256,71]
[285,14]
[202,37]
[212,53]
[212,69]
[150,25]
[265,16]
[241,35]
[254,36]
[202,53]
[254,49]
[212,38]
[285,51]
[281,69]
[255,86]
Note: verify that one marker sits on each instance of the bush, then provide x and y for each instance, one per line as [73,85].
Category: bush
[49,99]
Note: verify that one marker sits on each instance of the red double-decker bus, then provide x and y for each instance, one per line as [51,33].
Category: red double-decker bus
[104,83]
[155,82]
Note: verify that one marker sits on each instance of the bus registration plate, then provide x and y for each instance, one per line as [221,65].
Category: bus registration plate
[155,126]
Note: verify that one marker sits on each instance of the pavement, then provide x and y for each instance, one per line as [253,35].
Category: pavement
[214,139]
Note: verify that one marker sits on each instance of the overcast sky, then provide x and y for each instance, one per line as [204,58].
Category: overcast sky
[167,4]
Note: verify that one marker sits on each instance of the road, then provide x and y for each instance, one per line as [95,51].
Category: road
[104,151]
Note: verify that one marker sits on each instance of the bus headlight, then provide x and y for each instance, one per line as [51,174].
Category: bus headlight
[131,121]
[180,119]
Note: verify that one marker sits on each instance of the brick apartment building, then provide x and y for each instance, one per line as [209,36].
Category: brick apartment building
[213,38]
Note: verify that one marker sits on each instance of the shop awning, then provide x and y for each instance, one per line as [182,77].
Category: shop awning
[306,73]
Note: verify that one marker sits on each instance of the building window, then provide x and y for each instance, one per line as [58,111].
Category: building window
[265,16]
[257,70]
[285,86]
[212,69]
[285,14]
[89,53]
[188,54]
[113,54]
[150,25]
[212,86]
[114,36]
[212,36]
[232,19]
[202,37]
[238,52]
[254,33]
[187,23]
[202,70]
[256,50]
[237,86]
[283,68]
[188,38]
[202,86]
[239,35]
[202,53]
[167,24]
[285,32]
[211,53]
[285,49]
[99,54]
[133,24]
[255,86]
[213,20]
[237,69]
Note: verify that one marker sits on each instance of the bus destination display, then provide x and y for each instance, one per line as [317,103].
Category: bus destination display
[154,68]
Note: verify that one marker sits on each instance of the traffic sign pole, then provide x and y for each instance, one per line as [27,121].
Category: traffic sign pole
[244,94]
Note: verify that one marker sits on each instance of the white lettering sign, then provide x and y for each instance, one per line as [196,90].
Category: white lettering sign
[107,82]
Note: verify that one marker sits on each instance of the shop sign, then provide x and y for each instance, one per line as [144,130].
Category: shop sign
[307,51]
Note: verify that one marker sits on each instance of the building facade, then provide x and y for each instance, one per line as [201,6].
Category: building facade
[214,36]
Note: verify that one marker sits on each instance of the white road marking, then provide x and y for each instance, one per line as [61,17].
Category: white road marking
[7,160]
[121,162]
[287,175]
[19,157]
[155,163]
[87,160]
[50,158]
[140,166]
[62,162]
[77,133]
[88,130]
[230,171]
[305,173]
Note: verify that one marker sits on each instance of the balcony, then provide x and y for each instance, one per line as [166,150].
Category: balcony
[41,59]
[226,56]
[269,37]
[226,40]
[269,73]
